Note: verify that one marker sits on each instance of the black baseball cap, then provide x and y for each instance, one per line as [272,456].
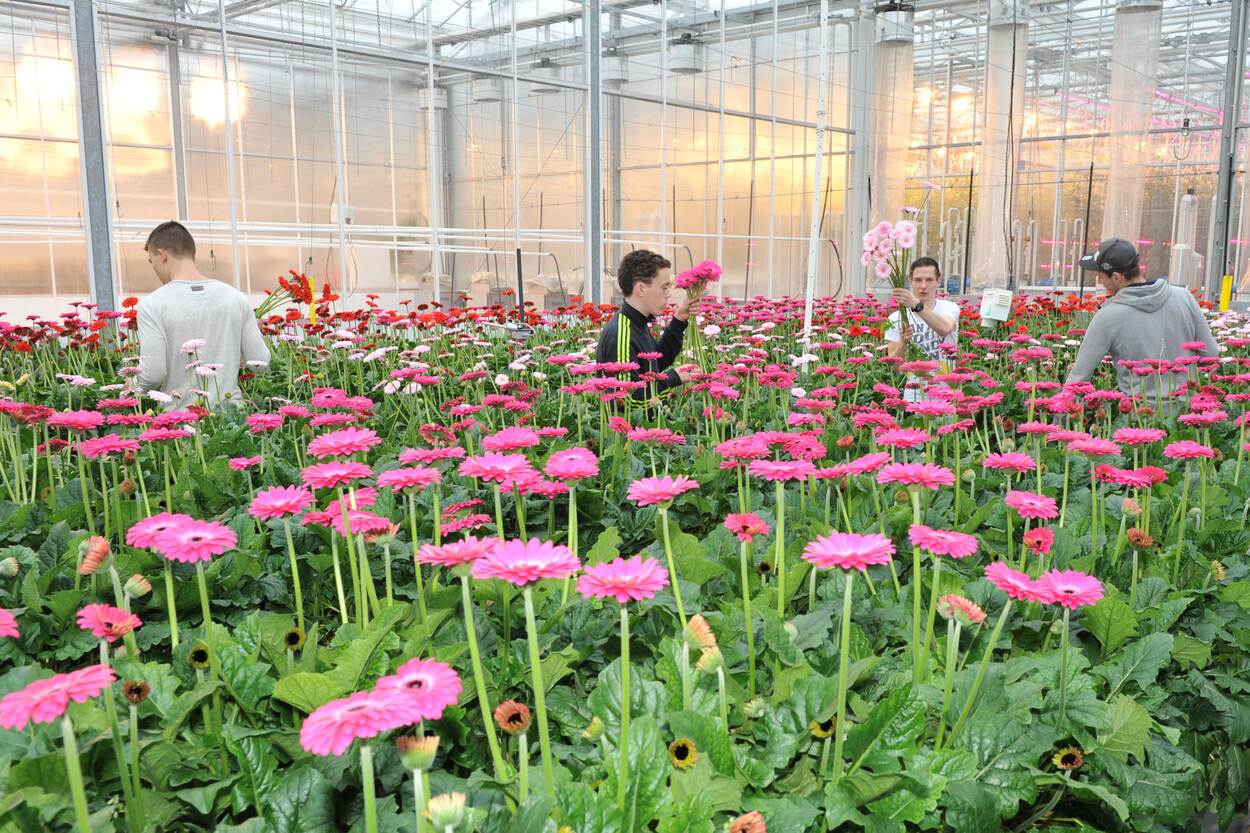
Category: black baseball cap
[1112,255]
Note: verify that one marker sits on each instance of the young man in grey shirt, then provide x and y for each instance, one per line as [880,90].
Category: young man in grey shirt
[1141,320]
[194,331]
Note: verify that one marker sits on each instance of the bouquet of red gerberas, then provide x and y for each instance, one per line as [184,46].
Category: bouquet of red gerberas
[298,289]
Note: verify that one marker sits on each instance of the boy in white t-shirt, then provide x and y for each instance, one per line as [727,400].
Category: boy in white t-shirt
[922,319]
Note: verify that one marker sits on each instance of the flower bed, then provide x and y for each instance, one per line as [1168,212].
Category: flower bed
[429,578]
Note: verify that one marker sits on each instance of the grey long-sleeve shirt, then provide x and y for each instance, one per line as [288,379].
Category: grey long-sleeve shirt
[182,311]
[1141,322]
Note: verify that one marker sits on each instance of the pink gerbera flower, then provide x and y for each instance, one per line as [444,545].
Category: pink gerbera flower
[280,501]
[746,526]
[8,624]
[1094,447]
[416,477]
[942,541]
[1138,436]
[76,420]
[362,522]
[244,463]
[1015,584]
[264,423]
[1010,461]
[330,475]
[781,470]
[456,552]
[156,435]
[902,437]
[143,534]
[512,438]
[430,684]
[1187,450]
[522,563]
[1039,540]
[849,550]
[625,580]
[1070,588]
[572,464]
[43,701]
[958,607]
[331,728]
[867,464]
[920,475]
[1032,505]
[507,470]
[108,444]
[194,540]
[659,436]
[427,456]
[652,490]
[343,443]
[107,622]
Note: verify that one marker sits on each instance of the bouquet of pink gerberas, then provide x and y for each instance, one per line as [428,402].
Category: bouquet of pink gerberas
[888,249]
[696,281]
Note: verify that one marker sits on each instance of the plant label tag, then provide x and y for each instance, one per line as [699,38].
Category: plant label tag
[996,305]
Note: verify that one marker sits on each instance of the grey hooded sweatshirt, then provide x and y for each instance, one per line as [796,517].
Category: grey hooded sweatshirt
[1140,322]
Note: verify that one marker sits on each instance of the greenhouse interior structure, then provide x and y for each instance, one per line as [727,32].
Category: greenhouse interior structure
[624,416]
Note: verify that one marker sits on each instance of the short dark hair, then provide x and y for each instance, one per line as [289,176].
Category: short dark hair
[173,237]
[637,267]
[921,262]
[1132,273]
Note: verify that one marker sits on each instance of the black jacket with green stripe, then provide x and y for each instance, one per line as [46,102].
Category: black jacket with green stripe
[623,344]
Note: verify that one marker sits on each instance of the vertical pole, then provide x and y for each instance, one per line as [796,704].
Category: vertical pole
[516,173]
[175,129]
[433,155]
[1234,79]
[95,184]
[228,129]
[664,127]
[720,144]
[593,196]
[1056,269]
[818,193]
[1084,244]
[772,157]
[340,166]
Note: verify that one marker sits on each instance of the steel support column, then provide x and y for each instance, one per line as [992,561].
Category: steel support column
[593,196]
[1218,264]
[175,129]
[95,181]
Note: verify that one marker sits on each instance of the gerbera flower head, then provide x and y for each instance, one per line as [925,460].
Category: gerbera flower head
[1138,436]
[417,752]
[1070,588]
[916,475]
[1094,447]
[964,610]
[942,541]
[572,464]
[512,438]
[8,624]
[849,550]
[1010,461]
[662,490]
[682,753]
[43,701]
[632,579]
[456,552]
[781,470]
[331,728]
[1032,505]
[76,420]
[413,477]
[507,470]
[343,443]
[336,473]
[358,522]
[1068,758]
[867,463]
[244,463]
[1015,584]
[751,822]
[279,501]
[108,444]
[746,526]
[192,540]
[902,437]
[1039,540]
[107,622]
[512,716]
[1187,450]
[430,684]
[524,562]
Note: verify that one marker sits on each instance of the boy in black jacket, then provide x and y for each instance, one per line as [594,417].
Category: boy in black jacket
[646,279]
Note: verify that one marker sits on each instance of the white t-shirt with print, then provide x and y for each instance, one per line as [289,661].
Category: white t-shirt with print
[926,339]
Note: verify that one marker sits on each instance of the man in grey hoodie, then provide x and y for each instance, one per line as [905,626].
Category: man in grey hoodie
[1141,320]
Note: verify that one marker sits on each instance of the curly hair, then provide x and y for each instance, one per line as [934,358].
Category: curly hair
[637,267]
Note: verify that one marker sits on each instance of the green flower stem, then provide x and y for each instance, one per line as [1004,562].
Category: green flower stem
[571,537]
[1132,588]
[724,702]
[976,682]
[134,766]
[916,582]
[479,680]
[1063,504]
[119,752]
[1063,670]
[418,795]
[1095,520]
[416,546]
[74,770]
[366,779]
[540,699]
[86,502]
[952,659]
[622,775]
[498,512]
[519,502]
[744,559]
[844,661]
[338,578]
[781,550]
[438,519]
[386,563]
[1180,526]
[672,566]
[213,665]
[523,766]
[299,595]
[933,600]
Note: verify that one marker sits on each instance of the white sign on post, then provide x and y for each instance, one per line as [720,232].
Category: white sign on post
[995,305]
